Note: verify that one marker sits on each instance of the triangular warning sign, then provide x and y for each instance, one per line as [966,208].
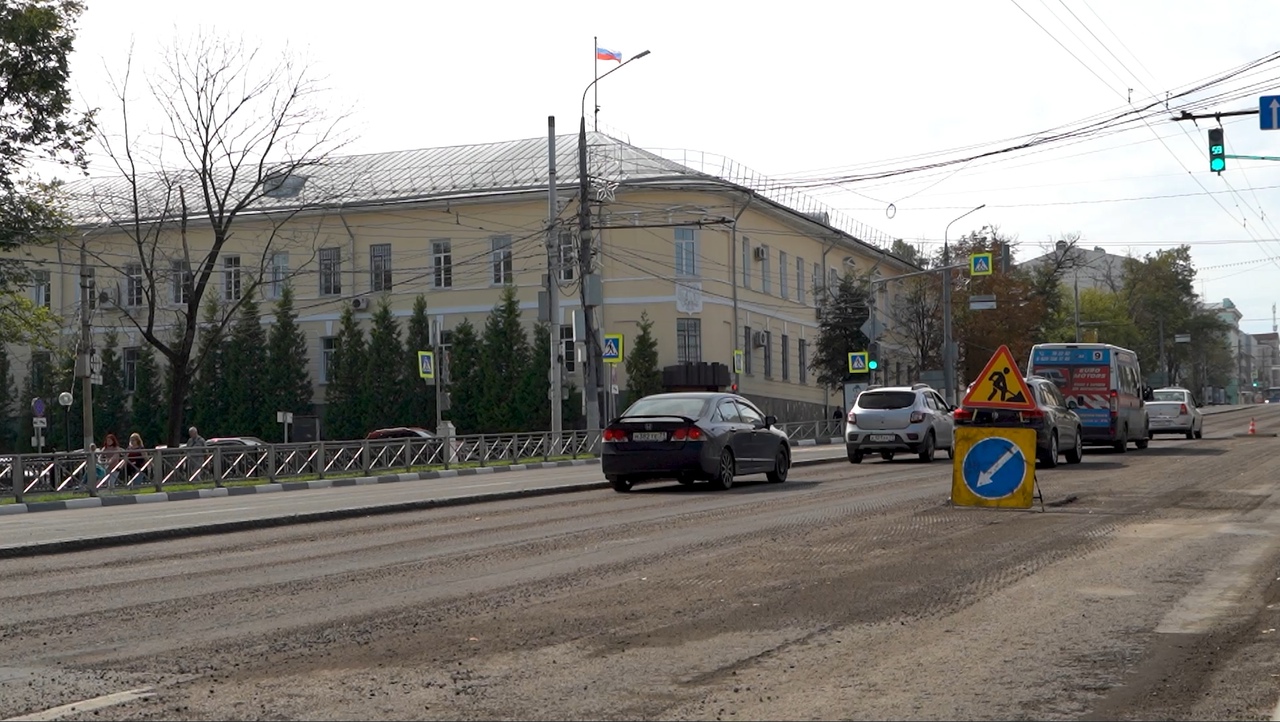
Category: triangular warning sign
[1000,386]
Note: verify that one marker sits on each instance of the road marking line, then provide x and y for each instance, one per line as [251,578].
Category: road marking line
[87,705]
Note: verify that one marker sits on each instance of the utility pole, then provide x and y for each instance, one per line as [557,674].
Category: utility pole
[1164,363]
[553,286]
[948,356]
[591,369]
[83,369]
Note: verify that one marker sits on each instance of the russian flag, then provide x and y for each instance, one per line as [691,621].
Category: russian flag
[603,54]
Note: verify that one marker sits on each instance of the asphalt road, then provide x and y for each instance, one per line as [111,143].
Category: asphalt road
[847,592]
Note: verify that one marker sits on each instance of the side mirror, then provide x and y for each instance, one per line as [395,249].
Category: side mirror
[770,420]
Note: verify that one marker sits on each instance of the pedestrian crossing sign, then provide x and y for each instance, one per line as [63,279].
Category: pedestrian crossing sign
[858,362]
[738,361]
[1000,386]
[613,348]
[980,264]
[427,365]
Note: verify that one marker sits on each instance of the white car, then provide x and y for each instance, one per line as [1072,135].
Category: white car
[1174,411]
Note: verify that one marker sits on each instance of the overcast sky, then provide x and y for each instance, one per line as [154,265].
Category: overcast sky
[803,89]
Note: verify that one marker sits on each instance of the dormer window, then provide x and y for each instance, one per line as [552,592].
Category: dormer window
[283,184]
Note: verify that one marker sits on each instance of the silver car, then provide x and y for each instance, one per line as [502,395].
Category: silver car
[1174,411]
[891,419]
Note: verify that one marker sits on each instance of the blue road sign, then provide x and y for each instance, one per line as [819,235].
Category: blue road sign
[37,407]
[612,348]
[980,264]
[994,468]
[858,362]
[1269,112]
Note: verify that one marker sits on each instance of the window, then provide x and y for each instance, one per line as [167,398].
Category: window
[833,281]
[748,414]
[568,257]
[130,367]
[92,286]
[728,411]
[567,348]
[746,262]
[380,267]
[231,278]
[783,270]
[502,270]
[786,357]
[180,281]
[442,263]
[686,252]
[802,359]
[817,281]
[766,280]
[768,354]
[746,349]
[799,279]
[330,271]
[133,284]
[688,340]
[279,274]
[41,366]
[328,345]
[41,289]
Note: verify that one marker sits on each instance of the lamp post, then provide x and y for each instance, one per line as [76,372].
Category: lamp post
[591,370]
[64,400]
[948,359]
[1062,247]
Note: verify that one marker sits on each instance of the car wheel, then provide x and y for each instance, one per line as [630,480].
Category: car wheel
[855,457]
[724,472]
[685,479]
[928,448]
[886,455]
[781,465]
[1144,442]
[1075,454]
[1050,457]
[620,484]
[1200,432]
[1122,445]
[1192,433]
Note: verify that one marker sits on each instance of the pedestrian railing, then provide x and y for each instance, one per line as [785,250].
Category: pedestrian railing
[161,469]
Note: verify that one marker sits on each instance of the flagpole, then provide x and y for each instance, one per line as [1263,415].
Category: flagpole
[595,117]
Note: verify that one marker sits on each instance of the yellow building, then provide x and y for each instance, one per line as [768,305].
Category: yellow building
[690,248]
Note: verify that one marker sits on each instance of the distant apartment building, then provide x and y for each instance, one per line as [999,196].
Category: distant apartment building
[1267,359]
[1091,268]
[1240,344]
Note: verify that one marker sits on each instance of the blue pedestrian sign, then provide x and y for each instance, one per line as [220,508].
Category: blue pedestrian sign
[980,264]
[994,468]
[858,362]
[1269,112]
[613,348]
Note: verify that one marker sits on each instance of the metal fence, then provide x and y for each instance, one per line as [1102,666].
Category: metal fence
[231,464]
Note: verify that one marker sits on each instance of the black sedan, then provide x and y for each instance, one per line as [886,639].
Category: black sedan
[693,436]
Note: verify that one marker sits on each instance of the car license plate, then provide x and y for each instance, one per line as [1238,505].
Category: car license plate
[649,436]
[883,437]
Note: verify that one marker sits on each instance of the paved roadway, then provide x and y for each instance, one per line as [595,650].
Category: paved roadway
[848,592]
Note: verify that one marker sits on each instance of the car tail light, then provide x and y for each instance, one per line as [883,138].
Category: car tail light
[1115,402]
[962,414]
[852,417]
[1033,415]
[1182,410]
[917,417]
[615,434]
[691,433]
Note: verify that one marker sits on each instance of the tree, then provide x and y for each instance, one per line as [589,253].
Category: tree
[504,356]
[208,394]
[419,398]
[249,411]
[641,363]
[535,382]
[288,381]
[247,132]
[909,253]
[8,402]
[841,315]
[36,120]
[147,407]
[346,408]
[466,379]
[385,373]
[916,320]
[1019,316]
[110,400]
[1160,291]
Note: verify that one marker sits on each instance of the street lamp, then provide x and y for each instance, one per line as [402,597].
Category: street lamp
[948,359]
[64,400]
[1062,247]
[592,370]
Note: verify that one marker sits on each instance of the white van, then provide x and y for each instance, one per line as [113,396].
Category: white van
[1103,383]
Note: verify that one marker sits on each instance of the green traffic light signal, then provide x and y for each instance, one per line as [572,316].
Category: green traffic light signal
[873,364]
[1217,151]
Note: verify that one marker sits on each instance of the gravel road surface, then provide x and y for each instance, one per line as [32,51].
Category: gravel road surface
[1147,589]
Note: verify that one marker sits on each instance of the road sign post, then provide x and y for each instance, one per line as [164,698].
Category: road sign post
[994,467]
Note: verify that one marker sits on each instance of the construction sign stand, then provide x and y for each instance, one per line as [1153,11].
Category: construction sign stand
[995,466]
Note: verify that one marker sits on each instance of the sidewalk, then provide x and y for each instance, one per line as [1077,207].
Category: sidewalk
[149,519]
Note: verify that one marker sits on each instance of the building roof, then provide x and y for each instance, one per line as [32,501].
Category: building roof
[454,172]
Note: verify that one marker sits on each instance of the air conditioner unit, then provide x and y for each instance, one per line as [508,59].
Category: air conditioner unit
[760,252]
[759,339]
[360,304]
[106,297]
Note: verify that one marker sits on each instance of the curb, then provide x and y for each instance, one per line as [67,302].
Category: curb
[128,538]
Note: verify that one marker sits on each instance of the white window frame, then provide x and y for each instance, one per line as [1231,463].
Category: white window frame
[328,345]
[232,282]
[93,288]
[568,347]
[330,271]
[380,280]
[799,279]
[441,263]
[180,282]
[766,280]
[501,261]
[42,288]
[568,257]
[133,290]
[686,246]
[279,273]
[129,366]
[783,272]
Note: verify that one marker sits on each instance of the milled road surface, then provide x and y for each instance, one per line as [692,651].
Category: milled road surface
[847,592]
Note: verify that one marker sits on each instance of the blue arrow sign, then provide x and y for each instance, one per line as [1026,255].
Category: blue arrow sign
[1269,112]
[994,468]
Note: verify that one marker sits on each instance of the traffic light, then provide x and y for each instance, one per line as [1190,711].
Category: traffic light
[873,355]
[1217,151]
[873,364]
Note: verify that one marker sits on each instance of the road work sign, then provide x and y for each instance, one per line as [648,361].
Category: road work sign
[1000,386]
[994,467]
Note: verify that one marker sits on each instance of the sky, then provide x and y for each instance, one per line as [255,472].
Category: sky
[809,91]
